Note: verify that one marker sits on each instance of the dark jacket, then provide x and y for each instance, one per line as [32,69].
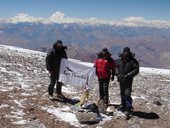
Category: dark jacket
[127,69]
[53,58]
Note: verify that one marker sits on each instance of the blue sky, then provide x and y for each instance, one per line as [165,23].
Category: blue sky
[103,9]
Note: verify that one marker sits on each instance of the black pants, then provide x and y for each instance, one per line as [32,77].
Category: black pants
[104,90]
[125,92]
[53,81]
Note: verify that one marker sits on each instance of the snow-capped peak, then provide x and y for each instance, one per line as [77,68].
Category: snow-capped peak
[59,17]
[22,17]
[139,19]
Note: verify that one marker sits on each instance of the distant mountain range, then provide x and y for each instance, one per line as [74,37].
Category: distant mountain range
[150,44]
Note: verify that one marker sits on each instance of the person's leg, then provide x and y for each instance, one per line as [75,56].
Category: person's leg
[101,95]
[101,103]
[122,96]
[106,91]
[128,99]
[59,85]
[59,88]
[52,84]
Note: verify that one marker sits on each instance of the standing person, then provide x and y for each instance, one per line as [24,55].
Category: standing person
[53,60]
[105,70]
[127,69]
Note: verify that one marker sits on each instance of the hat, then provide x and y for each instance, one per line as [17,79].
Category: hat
[126,49]
[59,42]
[104,50]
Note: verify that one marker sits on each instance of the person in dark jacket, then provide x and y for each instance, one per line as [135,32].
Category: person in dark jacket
[53,60]
[127,69]
[105,70]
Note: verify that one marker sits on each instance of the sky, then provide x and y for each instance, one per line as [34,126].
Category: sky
[102,9]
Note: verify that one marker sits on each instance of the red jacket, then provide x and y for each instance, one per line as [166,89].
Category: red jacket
[104,68]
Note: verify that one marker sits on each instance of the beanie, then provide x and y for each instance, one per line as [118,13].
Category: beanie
[59,42]
[104,50]
[126,49]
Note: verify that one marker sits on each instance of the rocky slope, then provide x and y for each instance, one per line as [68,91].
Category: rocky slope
[24,103]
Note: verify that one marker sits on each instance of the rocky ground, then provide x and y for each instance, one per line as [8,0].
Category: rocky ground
[24,103]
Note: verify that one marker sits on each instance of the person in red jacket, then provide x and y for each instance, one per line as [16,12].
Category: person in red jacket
[105,70]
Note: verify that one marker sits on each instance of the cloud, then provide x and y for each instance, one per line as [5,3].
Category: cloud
[22,17]
[59,17]
[134,19]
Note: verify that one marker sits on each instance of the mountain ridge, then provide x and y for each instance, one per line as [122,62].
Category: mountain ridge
[59,17]
[151,45]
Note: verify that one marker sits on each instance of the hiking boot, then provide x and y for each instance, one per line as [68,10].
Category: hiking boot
[127,115]
[51,97]
[102,107]
[121,108]
[60,96]
[55,96]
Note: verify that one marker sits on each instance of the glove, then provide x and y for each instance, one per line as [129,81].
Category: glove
[121,77]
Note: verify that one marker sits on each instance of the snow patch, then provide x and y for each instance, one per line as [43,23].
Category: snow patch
[21,49]
[19,103]
[18,113]
[4,106]
[5,89]
[20,122]
[138,97]
[165,80]
[26,94]
[64,116]
[68,89]
[145,70]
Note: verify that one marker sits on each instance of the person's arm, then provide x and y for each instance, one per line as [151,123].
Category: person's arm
[95,65]
[113,69]
[48,60]
[135,70]
[64,54]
